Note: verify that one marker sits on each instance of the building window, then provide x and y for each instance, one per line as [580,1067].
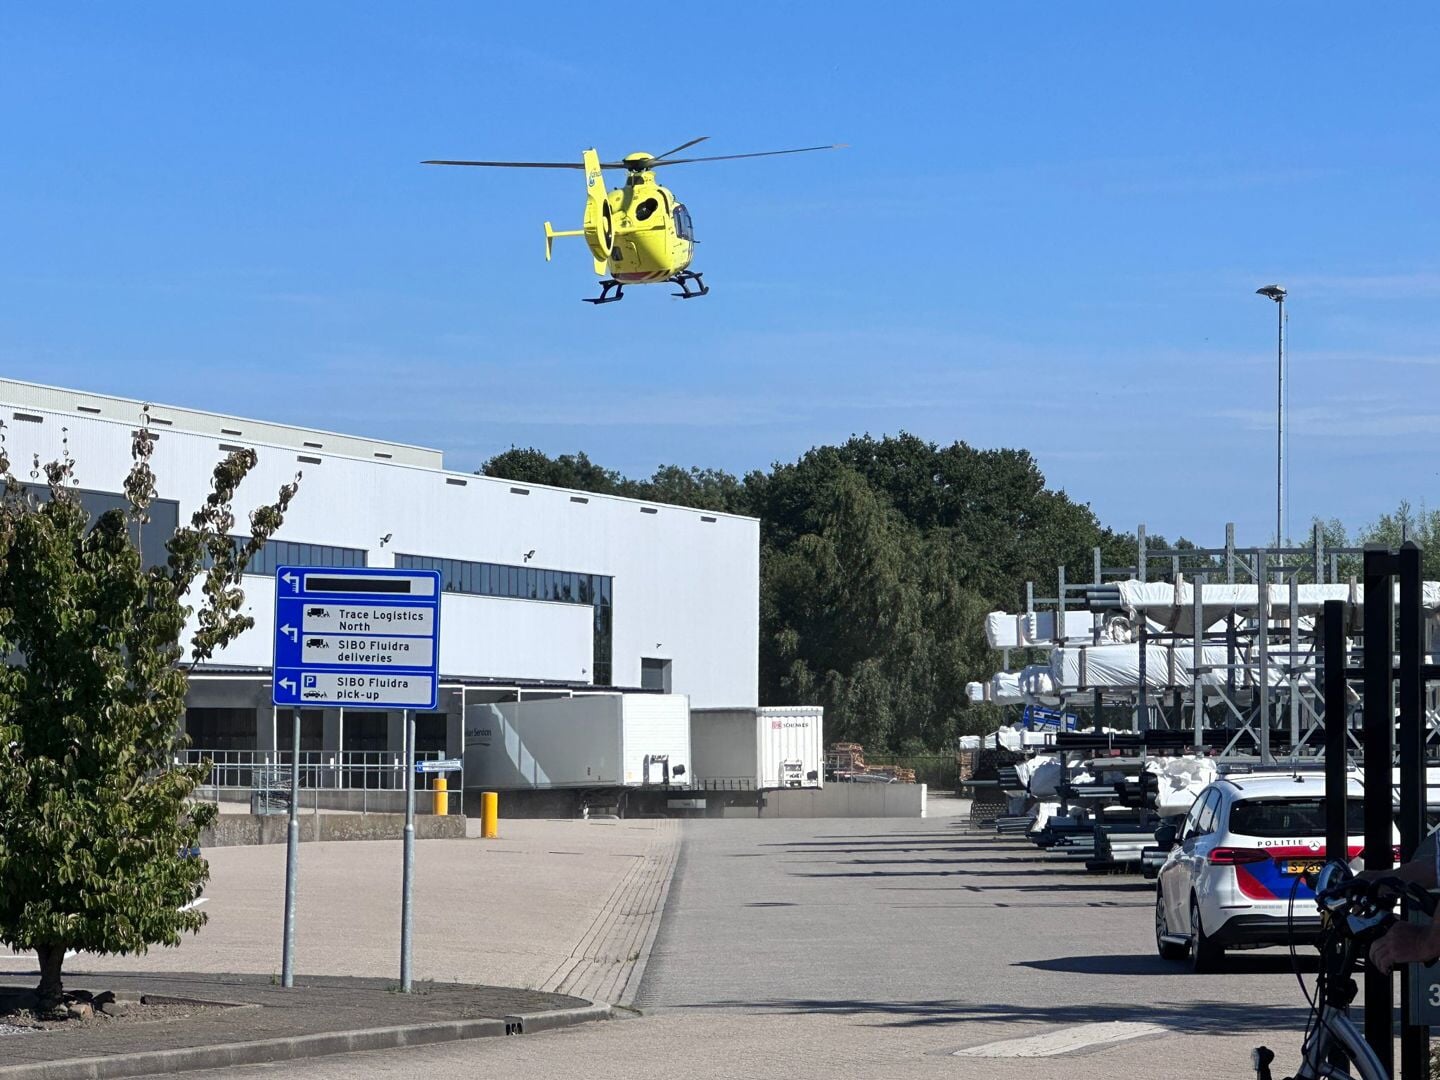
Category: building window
[601,661]
[150,538]
[221,729]
[365,730]
[289,553]
[654,674]
[527,583]
[430,732]
[312,730]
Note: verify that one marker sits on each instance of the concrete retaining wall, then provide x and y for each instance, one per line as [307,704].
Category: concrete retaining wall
[845,800]
[240,830]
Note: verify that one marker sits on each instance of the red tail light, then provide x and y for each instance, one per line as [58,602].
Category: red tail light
[1234,856]
[1395,855]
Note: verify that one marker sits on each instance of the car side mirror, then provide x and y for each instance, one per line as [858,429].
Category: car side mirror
[1166,835]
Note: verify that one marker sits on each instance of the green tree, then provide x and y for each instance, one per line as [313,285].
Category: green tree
[879,559]
[95,817]
[575,471]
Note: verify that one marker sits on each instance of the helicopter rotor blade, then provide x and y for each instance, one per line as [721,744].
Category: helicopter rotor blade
[513,164]
[763,153]
[682,146]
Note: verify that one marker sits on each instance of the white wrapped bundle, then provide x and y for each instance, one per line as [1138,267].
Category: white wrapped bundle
[1001,630]
[1005,688]
[1044,776]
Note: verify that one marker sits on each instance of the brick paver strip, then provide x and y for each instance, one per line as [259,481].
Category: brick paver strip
[609,961]
[320,1015]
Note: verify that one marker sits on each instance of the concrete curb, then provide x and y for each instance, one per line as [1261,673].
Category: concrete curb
[295,1047]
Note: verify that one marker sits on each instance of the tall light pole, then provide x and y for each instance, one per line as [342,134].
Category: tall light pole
[1277,293]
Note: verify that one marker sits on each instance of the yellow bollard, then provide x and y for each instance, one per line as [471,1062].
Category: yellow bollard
[489,815]
[441,788]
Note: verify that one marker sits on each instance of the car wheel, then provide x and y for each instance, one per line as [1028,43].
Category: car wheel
[1168,950]
[1205,955]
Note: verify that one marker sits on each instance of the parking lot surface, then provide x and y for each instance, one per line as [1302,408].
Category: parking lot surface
[891,948]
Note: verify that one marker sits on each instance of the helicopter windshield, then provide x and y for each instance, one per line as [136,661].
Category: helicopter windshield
[683,228]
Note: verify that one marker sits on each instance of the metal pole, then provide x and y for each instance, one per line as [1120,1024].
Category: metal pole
[1142,699]
[407,888]
[1199,660]
[1292,676]
[1379,754]
[292,856]
[1337,838]
[1262,641]
[1414,1038]
[1280,428]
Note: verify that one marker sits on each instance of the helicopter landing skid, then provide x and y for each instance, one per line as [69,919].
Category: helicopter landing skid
[606,284]
[683,279]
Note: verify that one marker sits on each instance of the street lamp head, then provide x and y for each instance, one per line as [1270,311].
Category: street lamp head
[1274,292]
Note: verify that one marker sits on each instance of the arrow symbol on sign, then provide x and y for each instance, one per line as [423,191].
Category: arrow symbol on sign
[294,633]
[292,581]
[288,684]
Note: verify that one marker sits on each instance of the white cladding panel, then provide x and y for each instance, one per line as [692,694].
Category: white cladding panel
[686,583]
[656,724]
[736,749]
[791,734]
[556,743]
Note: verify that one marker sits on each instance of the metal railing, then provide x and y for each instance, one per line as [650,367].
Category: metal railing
[329,779]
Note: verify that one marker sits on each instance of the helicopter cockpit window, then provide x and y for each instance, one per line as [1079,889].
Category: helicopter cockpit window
[646,208]
[682,223]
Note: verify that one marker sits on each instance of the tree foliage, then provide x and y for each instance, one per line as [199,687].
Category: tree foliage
[95,818]
[879,559]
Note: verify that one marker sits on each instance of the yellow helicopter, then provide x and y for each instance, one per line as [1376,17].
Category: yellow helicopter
[638,234]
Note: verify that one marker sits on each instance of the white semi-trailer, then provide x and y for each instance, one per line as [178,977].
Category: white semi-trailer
[589,741]
[758,749]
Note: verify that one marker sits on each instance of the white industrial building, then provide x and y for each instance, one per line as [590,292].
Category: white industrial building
[548,592]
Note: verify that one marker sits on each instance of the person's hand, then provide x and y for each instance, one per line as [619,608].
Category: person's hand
[1404,943]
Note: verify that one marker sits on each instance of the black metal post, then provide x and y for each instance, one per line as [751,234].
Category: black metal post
[1379,732]
[1337,838]
[1414,1038]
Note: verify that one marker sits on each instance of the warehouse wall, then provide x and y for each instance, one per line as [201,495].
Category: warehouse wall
[686,583]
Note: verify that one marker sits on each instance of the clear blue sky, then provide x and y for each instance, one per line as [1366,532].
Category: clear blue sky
[1047,233]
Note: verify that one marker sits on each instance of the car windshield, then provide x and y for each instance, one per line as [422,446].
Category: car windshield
[1291,817]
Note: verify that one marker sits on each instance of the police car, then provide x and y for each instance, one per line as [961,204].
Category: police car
[1240,858]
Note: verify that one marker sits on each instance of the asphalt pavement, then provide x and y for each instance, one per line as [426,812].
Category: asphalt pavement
[898,948]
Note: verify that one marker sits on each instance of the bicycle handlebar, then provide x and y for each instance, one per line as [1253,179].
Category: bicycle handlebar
[1364,904]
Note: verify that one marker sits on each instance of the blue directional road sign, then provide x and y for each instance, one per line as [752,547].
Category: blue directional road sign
[357,638]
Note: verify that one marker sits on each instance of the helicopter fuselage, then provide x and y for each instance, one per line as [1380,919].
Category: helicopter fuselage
[653,238]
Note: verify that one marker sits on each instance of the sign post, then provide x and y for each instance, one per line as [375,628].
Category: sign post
[292,857]
[356,638]
[407,881]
